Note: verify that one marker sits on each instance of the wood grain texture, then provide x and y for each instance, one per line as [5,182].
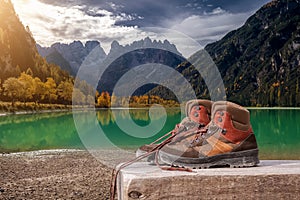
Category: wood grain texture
[143,181]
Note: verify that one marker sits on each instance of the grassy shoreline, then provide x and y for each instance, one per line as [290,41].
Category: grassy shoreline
[273,108]
[6,108]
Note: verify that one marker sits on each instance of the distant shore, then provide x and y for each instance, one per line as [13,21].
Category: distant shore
[69,108]
[31,108]
[5,113]
[273,108]
[33,112]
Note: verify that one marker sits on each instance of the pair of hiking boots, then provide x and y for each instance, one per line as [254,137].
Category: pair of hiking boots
[213,134]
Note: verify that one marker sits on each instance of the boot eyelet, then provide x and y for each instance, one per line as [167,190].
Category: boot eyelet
[224,131]
[221,113]
[201,125]
[196,114]
[219,119]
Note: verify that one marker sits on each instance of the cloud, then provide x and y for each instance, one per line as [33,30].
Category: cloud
[53,21]
[209,26]
[216,11]
[78,22]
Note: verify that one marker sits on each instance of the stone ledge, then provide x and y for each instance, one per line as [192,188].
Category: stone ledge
[271,179]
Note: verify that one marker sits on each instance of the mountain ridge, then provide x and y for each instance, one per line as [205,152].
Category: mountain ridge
[74,53]
[258,62]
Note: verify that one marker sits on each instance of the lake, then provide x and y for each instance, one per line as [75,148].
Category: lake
[277,130]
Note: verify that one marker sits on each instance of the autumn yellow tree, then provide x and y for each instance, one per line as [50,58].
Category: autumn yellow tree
[78,97]
[1,86]
[27,86]
[90,100]
[65,90]
[50,92]
[40,90]
[12,89]
[115,101]
[104,100]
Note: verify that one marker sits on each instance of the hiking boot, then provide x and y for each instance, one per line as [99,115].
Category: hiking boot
[228,140]
[198,113]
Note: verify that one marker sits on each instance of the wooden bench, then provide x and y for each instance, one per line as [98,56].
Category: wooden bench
[269,180]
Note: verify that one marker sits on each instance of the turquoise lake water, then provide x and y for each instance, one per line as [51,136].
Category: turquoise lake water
[277,130]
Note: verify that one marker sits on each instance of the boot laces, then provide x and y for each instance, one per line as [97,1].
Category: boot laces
[179,128]
[188,125]
[206,132]
[154,150]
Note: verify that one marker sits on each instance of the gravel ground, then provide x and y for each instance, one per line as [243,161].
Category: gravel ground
[53,175]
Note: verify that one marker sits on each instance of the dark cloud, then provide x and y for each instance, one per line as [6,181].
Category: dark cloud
[203,20]
[60,31]
[155,13]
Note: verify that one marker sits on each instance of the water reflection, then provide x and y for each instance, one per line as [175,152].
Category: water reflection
[120,138]
[57,130]
[37,131]
[277,131]
[105,116]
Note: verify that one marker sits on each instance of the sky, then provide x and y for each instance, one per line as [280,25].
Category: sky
[202,21]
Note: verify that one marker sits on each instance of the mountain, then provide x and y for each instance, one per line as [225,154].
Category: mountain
[260,61]
[137,55]
[116,48]
[18,52]
[69,56]
[55,57]
[13,35]
[123,58]
[25,75]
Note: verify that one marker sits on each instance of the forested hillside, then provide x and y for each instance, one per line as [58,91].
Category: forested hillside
[26,76]
[259,62]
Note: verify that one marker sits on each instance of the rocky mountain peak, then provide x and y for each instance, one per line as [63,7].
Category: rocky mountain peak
[142,44]
[73,53]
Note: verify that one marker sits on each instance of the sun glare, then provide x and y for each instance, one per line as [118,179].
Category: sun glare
[26,6]
[37,15]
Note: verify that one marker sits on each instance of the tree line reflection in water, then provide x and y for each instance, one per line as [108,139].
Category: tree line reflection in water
[277,132]
[106,117]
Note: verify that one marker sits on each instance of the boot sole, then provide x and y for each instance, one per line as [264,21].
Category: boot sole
[248,158]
